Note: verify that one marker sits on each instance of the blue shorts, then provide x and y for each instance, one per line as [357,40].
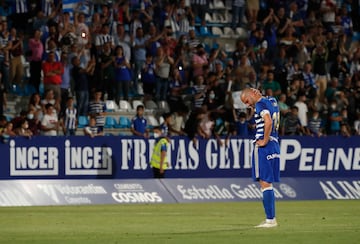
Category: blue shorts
[266,162]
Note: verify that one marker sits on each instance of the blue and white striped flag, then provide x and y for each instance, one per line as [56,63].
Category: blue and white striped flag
[80,6]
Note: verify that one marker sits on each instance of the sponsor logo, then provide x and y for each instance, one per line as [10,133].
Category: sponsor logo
[272,156]
[341,189]
[134,193]
[185,155]
[215,192]
[319,159]
[73,194]
[87,160]
[34,161]
[287,190]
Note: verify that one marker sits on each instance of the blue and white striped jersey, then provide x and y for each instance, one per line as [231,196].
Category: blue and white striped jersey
[95,108]
[70,118]
[267,105]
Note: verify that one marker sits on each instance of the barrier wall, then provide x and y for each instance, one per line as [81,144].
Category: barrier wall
[76,192]
[112,157]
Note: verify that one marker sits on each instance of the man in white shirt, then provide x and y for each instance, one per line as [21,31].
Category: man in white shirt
[49,123]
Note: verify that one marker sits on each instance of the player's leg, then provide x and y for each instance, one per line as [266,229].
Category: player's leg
[263,172]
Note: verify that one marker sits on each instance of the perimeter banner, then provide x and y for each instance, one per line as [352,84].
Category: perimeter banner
[113,157]
[82,192]
[151,191]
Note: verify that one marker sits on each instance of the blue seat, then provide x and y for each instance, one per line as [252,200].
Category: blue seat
[124,122]
[110,122]
[29,89]
[83,121]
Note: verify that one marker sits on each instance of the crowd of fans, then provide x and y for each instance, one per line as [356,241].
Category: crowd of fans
[304,53]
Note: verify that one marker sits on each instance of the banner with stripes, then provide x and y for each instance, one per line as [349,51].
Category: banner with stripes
[80,6]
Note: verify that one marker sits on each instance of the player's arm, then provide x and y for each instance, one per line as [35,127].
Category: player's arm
[267,130]
[162,158]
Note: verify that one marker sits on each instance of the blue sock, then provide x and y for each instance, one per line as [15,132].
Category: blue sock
[269,202]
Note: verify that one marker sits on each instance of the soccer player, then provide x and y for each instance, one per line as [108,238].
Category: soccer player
[266,154]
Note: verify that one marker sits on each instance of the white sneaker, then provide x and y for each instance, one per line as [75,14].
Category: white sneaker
[269,223]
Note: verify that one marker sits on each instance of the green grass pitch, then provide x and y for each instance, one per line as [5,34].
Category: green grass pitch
[329,221]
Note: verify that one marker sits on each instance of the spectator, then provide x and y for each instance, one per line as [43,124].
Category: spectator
[7,132]
[139,51]
[315,124]
[107,83]
[291,124]
[253,10]
[139,123]
[80,77]
[206,126]
[53,70]
[5,48]
[122,74]
[34,122]
[49,97]
[344,124]
[332,89]
[36,106]
[24,130]
[70,115]
[199,91]
[302,109]
[123,39]
[310,80]
[3,97]
[104,37]
[16,52]
[242,125]
[178,121]
[148,77]
[242,72]
[283,107]
[176,90]
[335,119]
[319,59]
[49,123]
[92,130]
[357,124]
[199,61]
[35,54]
[339,69]
[97,109]
[270,83]
[65,87]
[165,127]
[163,63]
[238,14]
[184,17]
[3,122]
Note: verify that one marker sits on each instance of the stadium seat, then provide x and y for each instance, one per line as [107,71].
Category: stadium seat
[83,121]
[228,32]
[208,18]
[204,31]
[151,105]
[136,103]
[29,90]
[110,122]
[152,121]
[110,105]
[219,4]
[217,31]
[125,106]
[230,47]
[124,122]
[241,32]
[164,106]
